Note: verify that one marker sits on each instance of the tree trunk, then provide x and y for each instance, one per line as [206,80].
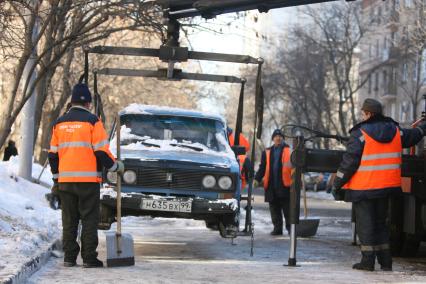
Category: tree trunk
[48,119]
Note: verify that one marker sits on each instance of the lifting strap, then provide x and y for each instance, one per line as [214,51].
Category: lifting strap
[240,113]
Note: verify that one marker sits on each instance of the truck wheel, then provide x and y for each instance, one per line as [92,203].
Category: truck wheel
[106,217]
[212,225]
[410,245]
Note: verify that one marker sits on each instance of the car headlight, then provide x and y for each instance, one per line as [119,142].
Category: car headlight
[225,182]
[129,177]
[112,177]
[209,181]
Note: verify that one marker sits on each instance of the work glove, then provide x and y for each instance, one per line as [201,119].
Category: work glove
[338,193]
[120,167]
[255,183]
[53,196]
[55,187]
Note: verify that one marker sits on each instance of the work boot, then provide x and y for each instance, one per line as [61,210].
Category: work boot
[70,263]
[384,258]
[367,261]
[93,264]
[276,232]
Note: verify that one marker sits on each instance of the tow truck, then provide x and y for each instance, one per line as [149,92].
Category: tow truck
[407,216]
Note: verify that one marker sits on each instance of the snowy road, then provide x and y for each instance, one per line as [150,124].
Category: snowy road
[184,251]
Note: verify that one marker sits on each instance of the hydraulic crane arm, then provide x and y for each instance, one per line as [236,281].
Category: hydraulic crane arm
[178,9]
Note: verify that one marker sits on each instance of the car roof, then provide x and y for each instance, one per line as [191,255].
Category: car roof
[162,110]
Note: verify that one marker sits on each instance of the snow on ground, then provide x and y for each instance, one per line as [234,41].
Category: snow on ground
[184,251]
[27,224]
[319,195]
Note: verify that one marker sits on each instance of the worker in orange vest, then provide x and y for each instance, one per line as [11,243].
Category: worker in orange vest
[243,140]
[275,170]
[79,148]
[369,173]
[243,160]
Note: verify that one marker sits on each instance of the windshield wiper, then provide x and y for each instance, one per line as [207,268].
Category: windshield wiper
[195,148]
[142,141]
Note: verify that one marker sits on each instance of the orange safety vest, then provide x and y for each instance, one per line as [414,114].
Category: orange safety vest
[286,168]
[380,165]
[243,141]
[242,159]
[75,143]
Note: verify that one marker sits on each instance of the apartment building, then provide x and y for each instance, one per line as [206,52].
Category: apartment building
[394,72]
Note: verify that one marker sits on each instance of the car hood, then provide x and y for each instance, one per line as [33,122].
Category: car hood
[208,159]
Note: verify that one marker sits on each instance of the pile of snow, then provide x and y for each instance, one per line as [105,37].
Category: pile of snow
[153,109]
[27,224]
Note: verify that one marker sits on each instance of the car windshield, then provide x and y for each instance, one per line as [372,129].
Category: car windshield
[190,133]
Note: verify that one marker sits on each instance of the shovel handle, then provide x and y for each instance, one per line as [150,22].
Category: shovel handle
[305,208]
[118,124]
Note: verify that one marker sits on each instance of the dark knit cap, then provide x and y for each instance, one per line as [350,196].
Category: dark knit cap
[277,132]
[81,94]
[372,105]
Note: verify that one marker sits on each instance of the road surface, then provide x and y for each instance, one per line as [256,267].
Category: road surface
[184,251]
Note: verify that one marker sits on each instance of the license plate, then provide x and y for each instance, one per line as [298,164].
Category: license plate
[171,206]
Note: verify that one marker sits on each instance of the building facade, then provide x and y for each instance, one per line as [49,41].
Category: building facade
[392,61]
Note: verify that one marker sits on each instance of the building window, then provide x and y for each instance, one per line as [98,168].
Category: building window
[405,111]
[376,83]
[369,83]
[377,48]
[397,5]
[371,15]
[404,73]
[423,60]
[392,110]
[415,66]
[408,3]
[370,50]
[385,80]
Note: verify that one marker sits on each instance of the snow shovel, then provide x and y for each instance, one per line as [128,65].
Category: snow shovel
[306,227]
[120,250]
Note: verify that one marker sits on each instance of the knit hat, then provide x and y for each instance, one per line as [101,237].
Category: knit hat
[81,94]
[277,132]
[372,105]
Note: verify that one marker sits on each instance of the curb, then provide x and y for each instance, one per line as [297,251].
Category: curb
[33,265]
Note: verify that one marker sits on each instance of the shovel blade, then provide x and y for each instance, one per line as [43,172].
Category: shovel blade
[124,257]
[307,227]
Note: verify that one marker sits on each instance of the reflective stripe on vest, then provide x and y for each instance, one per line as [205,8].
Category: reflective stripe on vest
[75,144]
[80,174]
[285,171]
[380,165]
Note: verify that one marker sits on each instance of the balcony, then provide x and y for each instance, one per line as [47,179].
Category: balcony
[391,55]
[389,91]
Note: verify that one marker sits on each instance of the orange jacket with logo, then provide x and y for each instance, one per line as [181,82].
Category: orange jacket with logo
[380,165]
[286,168]
[79,147]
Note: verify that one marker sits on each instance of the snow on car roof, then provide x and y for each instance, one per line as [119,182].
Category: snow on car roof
[162,110]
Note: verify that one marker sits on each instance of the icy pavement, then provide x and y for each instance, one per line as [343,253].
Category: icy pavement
[28,226]
[184,251]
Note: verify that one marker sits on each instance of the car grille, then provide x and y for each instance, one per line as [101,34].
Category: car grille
[160,178]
